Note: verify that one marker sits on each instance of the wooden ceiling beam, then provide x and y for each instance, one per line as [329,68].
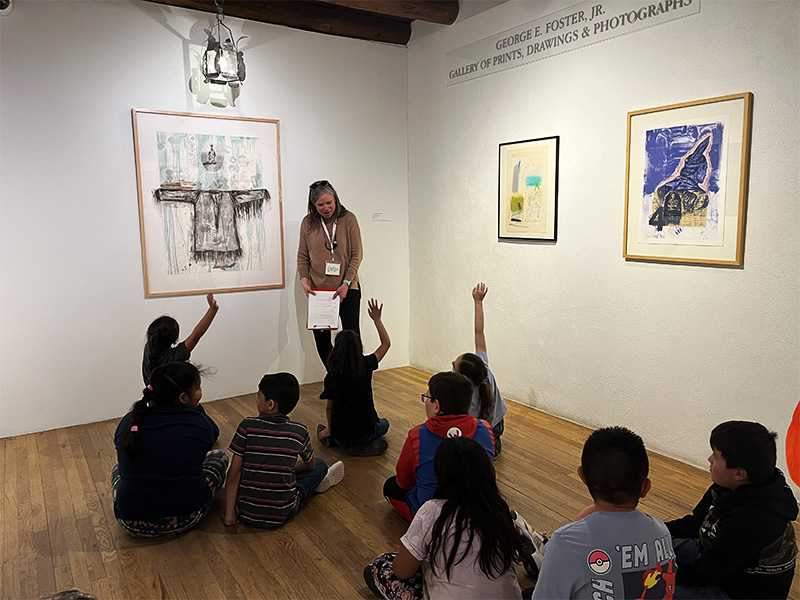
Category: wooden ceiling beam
[310,16]
[443,12]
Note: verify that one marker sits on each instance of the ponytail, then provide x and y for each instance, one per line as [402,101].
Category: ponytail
[475,370]
[168,383]
[161,334]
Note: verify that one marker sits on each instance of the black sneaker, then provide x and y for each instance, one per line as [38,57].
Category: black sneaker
[374,448]
[532,545]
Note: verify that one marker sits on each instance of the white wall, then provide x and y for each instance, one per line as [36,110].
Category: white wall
[572,328]
[72,308]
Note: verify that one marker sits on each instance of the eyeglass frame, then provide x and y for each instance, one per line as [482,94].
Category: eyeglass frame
[426,397]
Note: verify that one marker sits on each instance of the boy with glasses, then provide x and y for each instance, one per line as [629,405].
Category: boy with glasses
[447,401]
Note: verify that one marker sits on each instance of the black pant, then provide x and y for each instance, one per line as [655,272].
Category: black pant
[349,312]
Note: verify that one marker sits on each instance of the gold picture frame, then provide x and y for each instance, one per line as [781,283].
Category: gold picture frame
[210,202]
[686,177]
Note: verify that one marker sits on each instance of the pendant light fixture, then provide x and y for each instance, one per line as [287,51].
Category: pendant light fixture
[222,62]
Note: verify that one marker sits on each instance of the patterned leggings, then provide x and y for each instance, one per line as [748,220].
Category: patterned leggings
[215,466]
[387,585]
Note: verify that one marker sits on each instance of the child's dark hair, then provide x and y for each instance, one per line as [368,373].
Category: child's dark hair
[346,358]
[283,388]
[746,445]
[466,480]
[473,368]
[167,383]
[453,391]
[161,334]
[615,465]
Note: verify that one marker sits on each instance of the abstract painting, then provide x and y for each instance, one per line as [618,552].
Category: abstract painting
[209,202]
[528,189]
[687,181]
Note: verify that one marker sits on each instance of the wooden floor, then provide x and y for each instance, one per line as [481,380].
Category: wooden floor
[58,528]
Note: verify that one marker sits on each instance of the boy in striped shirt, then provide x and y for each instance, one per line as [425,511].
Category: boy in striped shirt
[274,471]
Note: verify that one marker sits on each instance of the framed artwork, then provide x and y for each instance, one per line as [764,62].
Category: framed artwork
[210,211]
[527,197]
[686,181]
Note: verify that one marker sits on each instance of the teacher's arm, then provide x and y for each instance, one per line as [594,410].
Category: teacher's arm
[304,260]
[354,256]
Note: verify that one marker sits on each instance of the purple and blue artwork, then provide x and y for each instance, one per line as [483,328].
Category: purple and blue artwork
[682,175]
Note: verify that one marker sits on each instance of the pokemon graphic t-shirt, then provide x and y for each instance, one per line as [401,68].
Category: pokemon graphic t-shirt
[609,556]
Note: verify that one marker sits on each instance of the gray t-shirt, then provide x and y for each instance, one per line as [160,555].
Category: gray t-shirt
[500,407]
[609,555]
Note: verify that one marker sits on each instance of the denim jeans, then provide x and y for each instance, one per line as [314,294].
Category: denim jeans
[687,551]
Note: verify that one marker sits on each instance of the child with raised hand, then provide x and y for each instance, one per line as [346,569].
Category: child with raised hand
[463,539]
[159,348]
[167,473]
[352,421]
[487,403]
[274,471]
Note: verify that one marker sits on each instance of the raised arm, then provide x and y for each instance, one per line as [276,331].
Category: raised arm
[374,310]
[478,294]
[204,323]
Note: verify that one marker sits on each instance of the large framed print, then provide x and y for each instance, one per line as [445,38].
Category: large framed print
[686,181]
[210,210]
[527,197]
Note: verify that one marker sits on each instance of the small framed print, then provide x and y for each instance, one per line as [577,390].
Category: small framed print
[527,197]
[686,181]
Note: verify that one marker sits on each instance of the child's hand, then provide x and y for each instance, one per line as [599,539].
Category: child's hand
[211,302]
[479,292]
[374,310]
[230,519]
[323,434]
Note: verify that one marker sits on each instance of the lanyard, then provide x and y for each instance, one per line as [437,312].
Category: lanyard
[328,235]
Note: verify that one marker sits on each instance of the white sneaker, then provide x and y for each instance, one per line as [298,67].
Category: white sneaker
[533,545]
[333,477]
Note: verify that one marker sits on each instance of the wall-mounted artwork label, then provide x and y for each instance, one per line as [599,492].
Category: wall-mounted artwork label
[528,189]
[687,181]
[575,27]
[209,203]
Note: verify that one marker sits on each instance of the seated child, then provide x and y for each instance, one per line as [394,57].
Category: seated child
[274,471]
[463,539]
[163,333]
[446,404]
[352,420]
[616,551]
[487,403]
[739,541]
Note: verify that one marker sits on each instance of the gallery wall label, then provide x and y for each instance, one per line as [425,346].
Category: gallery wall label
[575,27]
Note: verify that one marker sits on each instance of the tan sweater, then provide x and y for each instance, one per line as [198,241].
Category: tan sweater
[312,253]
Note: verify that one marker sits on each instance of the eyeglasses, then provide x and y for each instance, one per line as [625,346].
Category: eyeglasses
[425,397]
[320,183]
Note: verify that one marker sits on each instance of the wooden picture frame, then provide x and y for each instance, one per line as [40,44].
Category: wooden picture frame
[210,202]
[527,195]
[686,181]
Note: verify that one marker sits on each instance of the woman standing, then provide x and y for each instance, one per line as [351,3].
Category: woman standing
[328,257]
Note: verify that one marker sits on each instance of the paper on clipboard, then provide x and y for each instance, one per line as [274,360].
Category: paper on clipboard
[323,310]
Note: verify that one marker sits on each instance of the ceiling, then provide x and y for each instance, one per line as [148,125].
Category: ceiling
[386,21]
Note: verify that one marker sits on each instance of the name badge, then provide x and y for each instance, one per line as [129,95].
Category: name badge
[333,268]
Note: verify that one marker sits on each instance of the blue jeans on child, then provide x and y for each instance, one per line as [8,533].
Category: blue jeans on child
[687,551]
[307,482]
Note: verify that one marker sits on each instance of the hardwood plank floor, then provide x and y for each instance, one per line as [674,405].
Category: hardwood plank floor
[58,528]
